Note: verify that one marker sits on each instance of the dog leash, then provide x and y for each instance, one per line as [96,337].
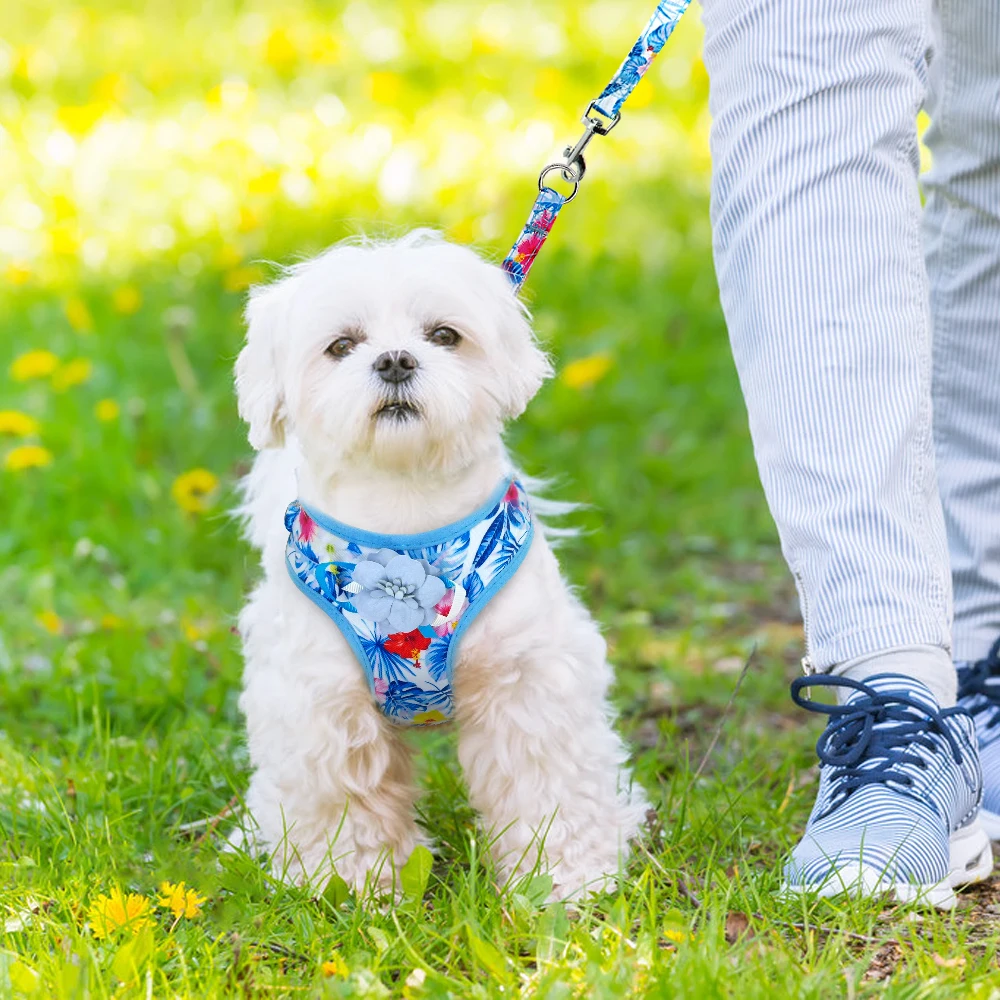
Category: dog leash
[601,116]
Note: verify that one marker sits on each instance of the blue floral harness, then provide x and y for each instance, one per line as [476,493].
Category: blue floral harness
[403,601]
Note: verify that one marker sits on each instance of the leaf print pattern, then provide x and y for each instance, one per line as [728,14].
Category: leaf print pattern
[447,558]
[654,36]
[402,606]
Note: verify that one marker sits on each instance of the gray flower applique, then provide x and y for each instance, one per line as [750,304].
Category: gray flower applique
[395,590]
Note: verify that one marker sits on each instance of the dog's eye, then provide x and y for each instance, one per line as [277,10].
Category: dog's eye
[444,336]
[341,347]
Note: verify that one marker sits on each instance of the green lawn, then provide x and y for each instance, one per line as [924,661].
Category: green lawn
[119,673]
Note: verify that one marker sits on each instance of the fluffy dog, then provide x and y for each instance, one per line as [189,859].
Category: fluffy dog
[376,380]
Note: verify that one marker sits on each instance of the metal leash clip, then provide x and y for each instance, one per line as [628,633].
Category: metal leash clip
[601,116]
[576,166]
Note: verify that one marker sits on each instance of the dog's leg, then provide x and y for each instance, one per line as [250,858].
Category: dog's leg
[332,784]
[544,766]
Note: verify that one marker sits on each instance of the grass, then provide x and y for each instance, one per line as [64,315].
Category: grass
[119,672]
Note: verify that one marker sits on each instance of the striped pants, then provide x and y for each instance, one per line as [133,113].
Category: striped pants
[866,330]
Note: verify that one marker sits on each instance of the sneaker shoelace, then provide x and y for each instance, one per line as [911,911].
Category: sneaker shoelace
[983,678]
[872,740]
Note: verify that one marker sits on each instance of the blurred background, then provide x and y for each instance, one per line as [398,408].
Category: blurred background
[154,160]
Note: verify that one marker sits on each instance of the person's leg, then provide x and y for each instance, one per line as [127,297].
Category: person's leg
[962,231]
[816,217]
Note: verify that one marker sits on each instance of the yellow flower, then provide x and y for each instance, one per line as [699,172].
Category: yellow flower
[78,315]
[384,88]
[17,273]
[678,937]
[72,373]
[17,423]
[584,372]
[109,914]
[34,364]
[107,410]
[191,631]
[264,183]
[80,118]
[126,299]
[279,50]
[50,621]
[430,718]
[179,901]
[27,456]
[64,242]
[193,490]
[336,966]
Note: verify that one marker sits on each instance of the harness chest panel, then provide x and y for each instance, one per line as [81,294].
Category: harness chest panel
[403,601]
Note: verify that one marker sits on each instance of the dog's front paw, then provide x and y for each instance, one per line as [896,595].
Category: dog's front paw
[577,884]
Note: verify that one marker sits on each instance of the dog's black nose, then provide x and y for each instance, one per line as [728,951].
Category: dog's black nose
[395,366]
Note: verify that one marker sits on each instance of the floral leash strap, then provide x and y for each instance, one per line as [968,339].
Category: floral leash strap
[600,118]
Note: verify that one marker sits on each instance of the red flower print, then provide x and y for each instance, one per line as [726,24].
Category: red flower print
[408,644]
[307,527]
[530,245]
[546,220]
[511,495]
[443,607]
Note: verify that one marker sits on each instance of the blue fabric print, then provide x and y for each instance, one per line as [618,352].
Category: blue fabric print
[402,601]
[385,665]
[436,657]
[631,71]
[447,558]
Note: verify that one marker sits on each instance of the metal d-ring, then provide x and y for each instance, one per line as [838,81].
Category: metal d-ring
[569,175]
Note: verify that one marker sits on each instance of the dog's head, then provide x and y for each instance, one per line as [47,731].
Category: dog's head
[412,352]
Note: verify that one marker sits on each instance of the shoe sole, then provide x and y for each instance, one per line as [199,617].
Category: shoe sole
[971,861]
[991,823]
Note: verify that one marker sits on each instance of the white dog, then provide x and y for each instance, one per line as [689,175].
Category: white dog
[376,380]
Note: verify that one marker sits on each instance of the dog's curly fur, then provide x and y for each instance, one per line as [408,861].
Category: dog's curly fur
[331,781]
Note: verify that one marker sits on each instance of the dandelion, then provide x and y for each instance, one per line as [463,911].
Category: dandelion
[72,373]
[17,423]
[109,914]
[181,902]
[279,50]
[336,966]
[27,456]
[17,273]
[193,490]
[107,410]
[126,299]
[64,242]
[50,621]
[584,372]
[384,88]
[78,315]
[676,936]
[192,632]
[34,364]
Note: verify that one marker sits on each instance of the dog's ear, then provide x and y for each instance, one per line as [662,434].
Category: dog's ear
[258,385]
[527,365]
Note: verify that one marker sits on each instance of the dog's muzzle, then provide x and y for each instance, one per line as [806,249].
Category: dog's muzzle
[396,370]
[395,367]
